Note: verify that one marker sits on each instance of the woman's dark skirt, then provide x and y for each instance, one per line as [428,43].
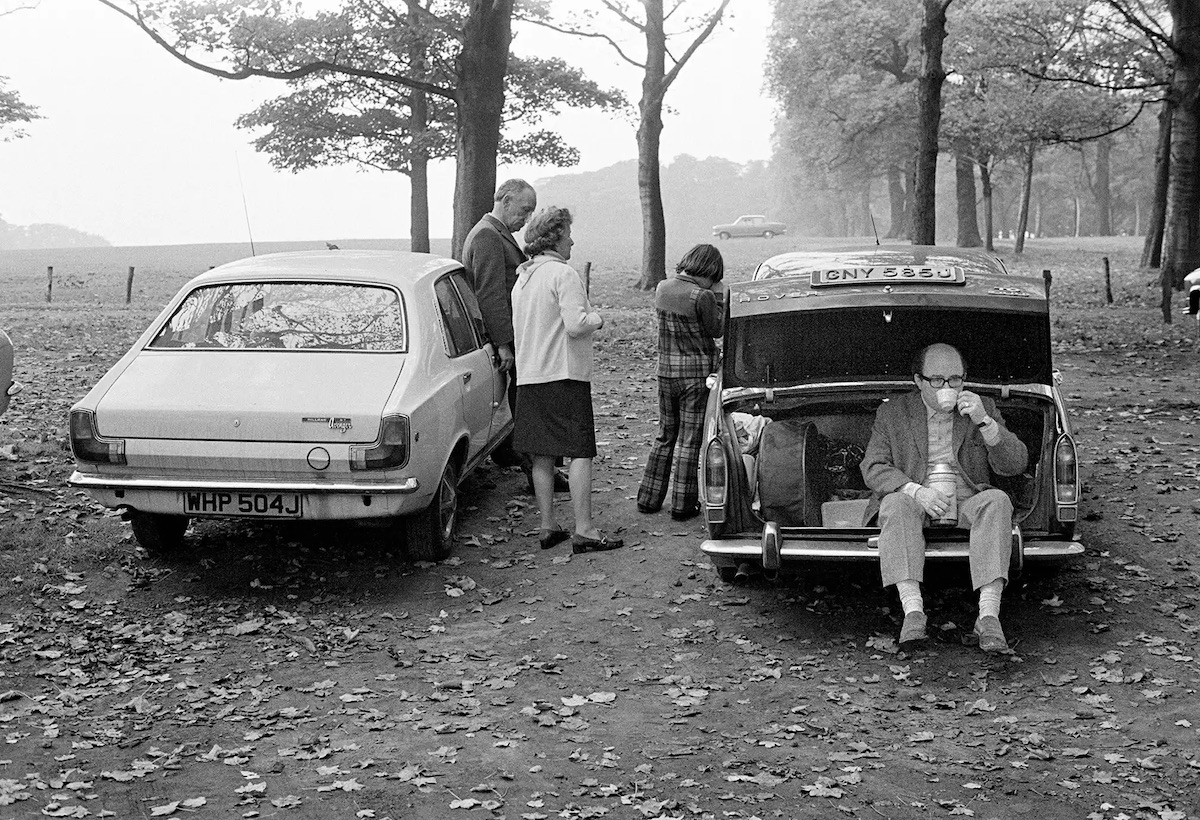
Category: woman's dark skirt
[555,419]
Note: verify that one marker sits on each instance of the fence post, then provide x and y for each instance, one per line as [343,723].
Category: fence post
[49,283]
[1108,297]
[129,286]
[1047,277]
[587,277]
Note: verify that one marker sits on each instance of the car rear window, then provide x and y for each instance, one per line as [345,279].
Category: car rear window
[287,315]
[873,344]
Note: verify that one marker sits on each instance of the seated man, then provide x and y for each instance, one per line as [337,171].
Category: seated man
[911,434]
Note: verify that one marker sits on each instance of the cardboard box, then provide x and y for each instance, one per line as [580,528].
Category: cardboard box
[844,513]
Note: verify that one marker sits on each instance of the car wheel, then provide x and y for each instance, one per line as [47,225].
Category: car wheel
[158,534]
[429,534]
[768,234]
[723,235]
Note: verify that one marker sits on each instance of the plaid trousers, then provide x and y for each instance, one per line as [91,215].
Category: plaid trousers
[680,422]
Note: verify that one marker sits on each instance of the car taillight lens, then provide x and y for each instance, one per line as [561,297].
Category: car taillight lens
[715,474]
[88,445]
[1066,472]
[389,450]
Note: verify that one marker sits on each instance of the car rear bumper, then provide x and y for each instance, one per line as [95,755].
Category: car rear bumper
[799,549]
[324,501]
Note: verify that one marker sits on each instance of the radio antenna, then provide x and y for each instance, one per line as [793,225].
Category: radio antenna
[873,229]
[246,208]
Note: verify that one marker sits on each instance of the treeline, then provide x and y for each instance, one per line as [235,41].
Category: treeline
[43,236]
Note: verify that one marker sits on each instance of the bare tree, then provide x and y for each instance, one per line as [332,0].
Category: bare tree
[651,23]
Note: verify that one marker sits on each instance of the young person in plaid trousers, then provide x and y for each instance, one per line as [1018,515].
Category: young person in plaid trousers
[690,308]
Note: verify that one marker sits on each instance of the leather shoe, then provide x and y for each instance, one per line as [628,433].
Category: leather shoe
[550,538]
[580,544]
[913,630]
[646,509]
[989,635]
[686,514]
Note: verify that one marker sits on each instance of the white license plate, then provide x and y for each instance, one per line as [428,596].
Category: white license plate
[261,505]
[888,275]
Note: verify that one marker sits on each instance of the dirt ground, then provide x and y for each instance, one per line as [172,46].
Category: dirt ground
[313,672]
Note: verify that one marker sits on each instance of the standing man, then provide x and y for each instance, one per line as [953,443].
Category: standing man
[940,423]
[491,255]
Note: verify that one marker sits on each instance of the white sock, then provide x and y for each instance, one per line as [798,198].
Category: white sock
[989,598]
[910,596]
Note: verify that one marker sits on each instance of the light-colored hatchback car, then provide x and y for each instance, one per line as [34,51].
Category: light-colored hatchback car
[324,385]
[813,346]
[750,225]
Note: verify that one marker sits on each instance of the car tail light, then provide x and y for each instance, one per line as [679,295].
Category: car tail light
[715,474]
[1066,473]
[88,445]
[390,449]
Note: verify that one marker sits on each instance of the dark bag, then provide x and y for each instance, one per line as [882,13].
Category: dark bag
[791,475]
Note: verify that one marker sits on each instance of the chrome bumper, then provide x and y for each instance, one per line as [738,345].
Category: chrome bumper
[93,482]
[767,550]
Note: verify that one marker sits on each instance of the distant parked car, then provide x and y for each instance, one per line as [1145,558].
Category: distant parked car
[325,385]
[813,346]
[751,225]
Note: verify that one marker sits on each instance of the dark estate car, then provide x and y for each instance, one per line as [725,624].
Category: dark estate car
[814,344]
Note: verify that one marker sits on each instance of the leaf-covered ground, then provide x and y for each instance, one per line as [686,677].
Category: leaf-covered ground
[312,672]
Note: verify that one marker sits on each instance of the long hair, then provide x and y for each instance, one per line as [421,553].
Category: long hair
[703,261]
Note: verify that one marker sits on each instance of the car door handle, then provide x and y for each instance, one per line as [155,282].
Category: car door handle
[467,377]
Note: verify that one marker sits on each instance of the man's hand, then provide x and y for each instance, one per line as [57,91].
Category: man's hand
[507,358]
[971,406]
[933,502]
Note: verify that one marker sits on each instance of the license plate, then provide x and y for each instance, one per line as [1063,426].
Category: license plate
[888,274]
[262,505]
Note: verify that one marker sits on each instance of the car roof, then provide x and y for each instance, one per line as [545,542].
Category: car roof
[399,268]
[875,275]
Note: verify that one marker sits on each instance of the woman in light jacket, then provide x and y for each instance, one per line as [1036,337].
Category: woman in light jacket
[553,323]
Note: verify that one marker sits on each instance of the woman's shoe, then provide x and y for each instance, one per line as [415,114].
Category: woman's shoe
[550,538]
[646,509]
[581,544]
[686,514]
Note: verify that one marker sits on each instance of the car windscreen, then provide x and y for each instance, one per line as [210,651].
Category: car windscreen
[289,316]
[877,344]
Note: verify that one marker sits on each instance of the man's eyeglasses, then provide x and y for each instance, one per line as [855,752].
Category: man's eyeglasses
[941,381]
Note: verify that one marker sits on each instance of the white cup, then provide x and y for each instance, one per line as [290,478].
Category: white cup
[947,397]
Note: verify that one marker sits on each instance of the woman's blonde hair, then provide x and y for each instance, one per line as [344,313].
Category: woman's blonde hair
[546,229]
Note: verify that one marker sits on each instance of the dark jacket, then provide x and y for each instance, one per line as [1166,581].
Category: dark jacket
[491,256]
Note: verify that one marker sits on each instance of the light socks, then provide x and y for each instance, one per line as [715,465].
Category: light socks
[989,598]
[910,596]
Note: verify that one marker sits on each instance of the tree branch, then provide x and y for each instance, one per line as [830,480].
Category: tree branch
[308,69]
[580,33]
[700,38]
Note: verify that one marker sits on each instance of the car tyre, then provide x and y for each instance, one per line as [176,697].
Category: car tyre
[768,234]
[723,235]
[159,534]
[429,534]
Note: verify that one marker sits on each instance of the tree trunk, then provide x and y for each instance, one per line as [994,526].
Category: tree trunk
[1102,186]
[419,176]
[649,135]
[896,195]
[1077,218]
[481,67]
[1026,189]
[866,218]
[985,184]
[929,117]
[964,189]
[1152,247]
[1181,240]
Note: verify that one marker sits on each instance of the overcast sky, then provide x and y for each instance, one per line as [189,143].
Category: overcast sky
[140,149]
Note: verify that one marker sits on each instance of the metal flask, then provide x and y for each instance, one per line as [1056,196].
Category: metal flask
[941,478]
